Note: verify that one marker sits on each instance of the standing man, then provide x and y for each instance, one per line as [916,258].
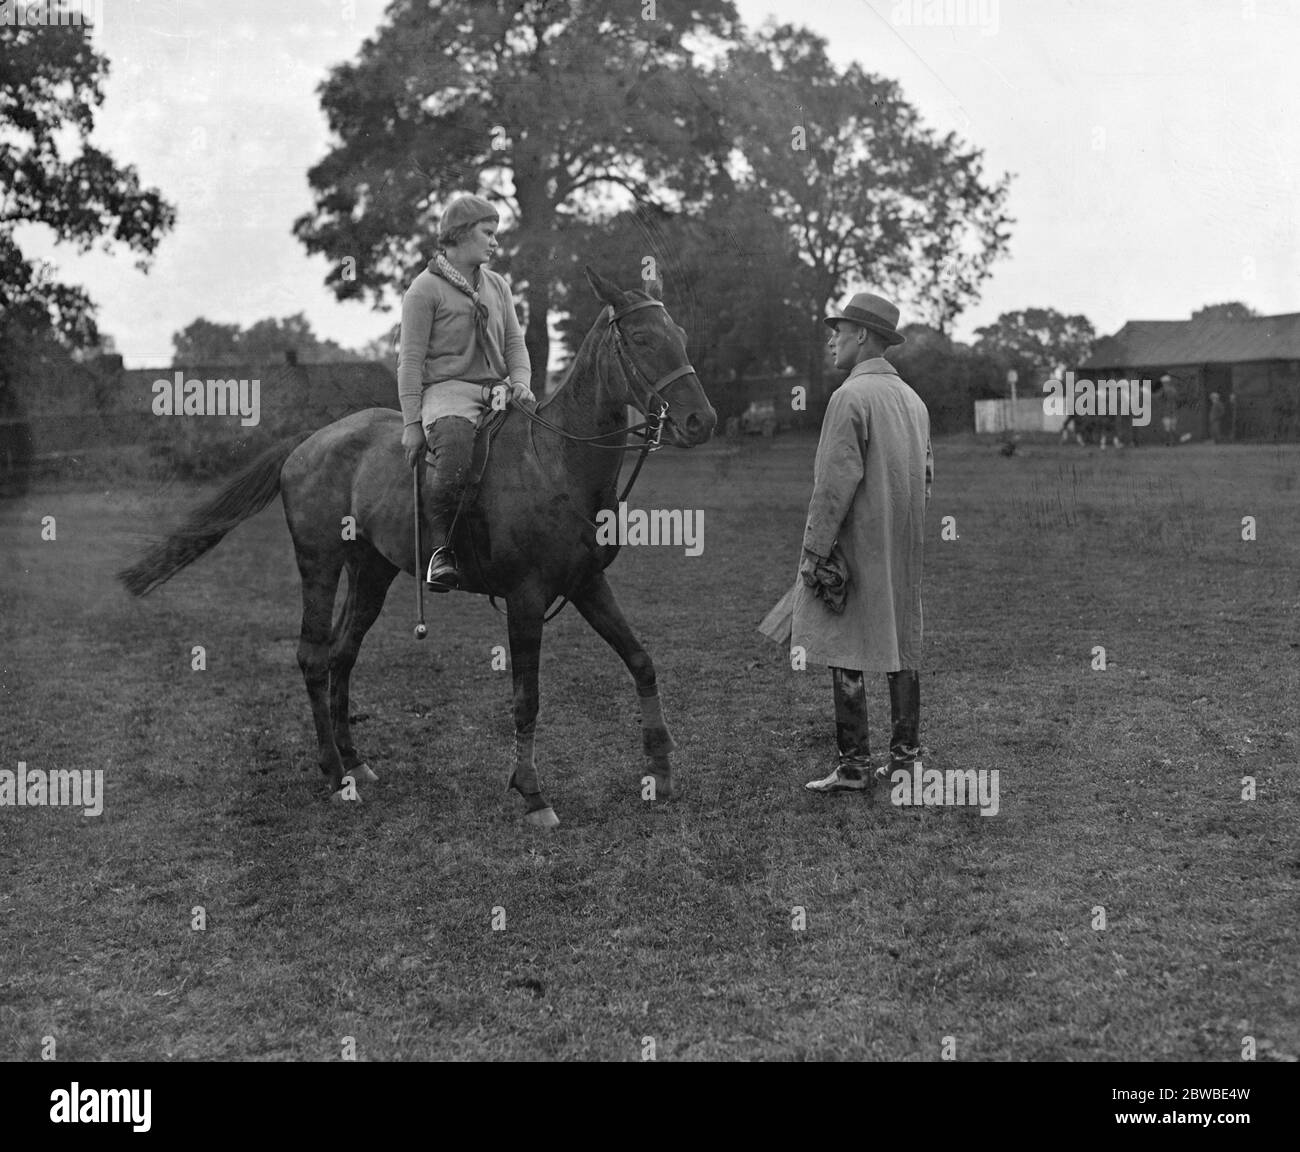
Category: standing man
[871,484]
[1216,418]
[1168,409]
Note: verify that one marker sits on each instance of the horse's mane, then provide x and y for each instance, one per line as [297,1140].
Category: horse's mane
[636,294]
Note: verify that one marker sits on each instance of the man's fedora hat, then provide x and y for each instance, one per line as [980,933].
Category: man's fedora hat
[872,312]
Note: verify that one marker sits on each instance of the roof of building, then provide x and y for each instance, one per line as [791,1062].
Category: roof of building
[1169,343]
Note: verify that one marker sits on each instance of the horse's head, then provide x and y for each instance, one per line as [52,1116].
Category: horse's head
[650,350]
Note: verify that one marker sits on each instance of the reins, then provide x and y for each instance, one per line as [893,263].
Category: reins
[650,430]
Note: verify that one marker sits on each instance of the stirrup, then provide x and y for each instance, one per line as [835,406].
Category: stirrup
[442,575]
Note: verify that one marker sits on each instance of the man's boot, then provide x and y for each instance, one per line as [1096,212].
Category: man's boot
[905,720]
[852,772]
[451,444]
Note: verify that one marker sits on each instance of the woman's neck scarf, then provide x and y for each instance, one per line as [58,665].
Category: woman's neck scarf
[443,267]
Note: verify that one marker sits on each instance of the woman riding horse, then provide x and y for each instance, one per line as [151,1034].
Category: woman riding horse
[456,316]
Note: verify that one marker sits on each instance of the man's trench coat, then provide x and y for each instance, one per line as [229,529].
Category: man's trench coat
[871,484]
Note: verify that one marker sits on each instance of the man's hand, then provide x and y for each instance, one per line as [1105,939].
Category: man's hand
[808,567]
[413,443]
[522,394]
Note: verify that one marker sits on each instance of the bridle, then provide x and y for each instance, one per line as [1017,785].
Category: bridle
[653,422]
[651,403]
[651,430]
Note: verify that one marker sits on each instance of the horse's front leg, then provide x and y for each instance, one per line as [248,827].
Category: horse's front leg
[525,614]
[599,608]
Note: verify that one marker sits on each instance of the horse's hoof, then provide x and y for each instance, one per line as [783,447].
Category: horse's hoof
[347,793]
[663,786]
[363,773]
[543,818]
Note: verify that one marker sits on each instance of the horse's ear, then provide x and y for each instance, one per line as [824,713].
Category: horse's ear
[656,288]
[606,292]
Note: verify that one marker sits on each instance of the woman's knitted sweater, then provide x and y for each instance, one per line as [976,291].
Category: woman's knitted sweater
[438,340]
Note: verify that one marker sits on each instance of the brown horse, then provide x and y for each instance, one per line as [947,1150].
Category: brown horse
[530,537]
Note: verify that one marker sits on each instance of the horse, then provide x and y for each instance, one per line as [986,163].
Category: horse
[530,537]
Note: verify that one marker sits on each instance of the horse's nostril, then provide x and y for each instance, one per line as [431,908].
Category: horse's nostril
[699,427]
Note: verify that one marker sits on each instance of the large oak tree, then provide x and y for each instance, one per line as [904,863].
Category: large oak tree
[546,105]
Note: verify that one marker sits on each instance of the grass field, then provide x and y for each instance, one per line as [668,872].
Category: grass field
[1120,788]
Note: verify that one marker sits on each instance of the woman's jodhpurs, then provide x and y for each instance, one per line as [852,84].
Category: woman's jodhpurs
[450,411]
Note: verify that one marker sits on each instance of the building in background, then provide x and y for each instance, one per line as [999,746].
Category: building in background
[1253,364]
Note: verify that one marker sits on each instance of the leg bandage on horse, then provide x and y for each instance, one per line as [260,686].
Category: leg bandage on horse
[655,737]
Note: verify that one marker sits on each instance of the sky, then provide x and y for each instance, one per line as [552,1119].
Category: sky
[1154,149]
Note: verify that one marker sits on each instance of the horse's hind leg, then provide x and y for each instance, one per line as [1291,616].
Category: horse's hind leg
[369,577]
[320,581]
[599,608]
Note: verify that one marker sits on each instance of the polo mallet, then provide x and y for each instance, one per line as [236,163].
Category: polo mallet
[420,630]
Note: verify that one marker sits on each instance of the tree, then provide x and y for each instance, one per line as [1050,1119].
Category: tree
[51,80]
[1232,310]
[865,190]
[724,270]
[383,348]
[546,106]
[947,375]
[1043,338]
[203,343]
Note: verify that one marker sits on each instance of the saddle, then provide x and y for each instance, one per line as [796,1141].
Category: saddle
[489,424]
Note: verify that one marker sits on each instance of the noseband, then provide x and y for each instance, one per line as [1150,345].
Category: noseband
[652,429]
[654,420]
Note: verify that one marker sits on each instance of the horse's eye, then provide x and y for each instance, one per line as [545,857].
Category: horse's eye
[638,338]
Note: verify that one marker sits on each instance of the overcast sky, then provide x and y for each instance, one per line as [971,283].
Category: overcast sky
[1155,148]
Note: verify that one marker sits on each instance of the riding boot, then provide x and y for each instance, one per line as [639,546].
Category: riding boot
[851,730]
[852,771]
[905,719]
[451,445]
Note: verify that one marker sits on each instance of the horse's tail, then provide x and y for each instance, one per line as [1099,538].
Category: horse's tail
[243,496]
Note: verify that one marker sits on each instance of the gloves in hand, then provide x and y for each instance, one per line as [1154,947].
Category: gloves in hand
[808,568]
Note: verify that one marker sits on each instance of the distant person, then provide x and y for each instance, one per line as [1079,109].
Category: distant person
[1169,409]
[1217,410]
[1232,417]
[1070,430]
[460,338]
[1108,425]
[871,484]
